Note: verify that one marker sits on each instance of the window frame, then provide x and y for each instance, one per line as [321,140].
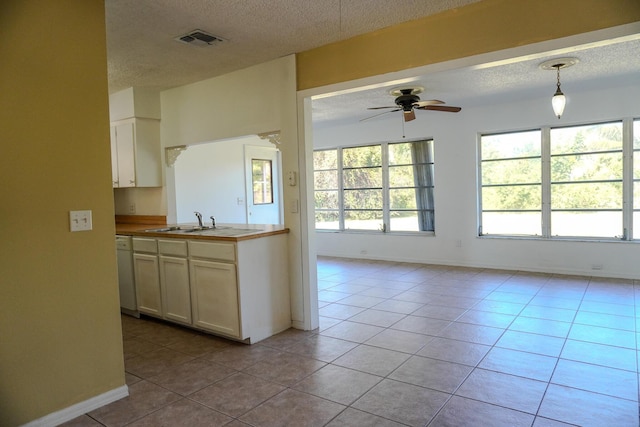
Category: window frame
[386,187]
[627,204]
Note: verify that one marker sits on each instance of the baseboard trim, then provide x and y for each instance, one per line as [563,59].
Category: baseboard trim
[73,411]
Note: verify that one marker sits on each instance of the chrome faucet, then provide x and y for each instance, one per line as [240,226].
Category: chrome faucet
[199,216]
[213,221]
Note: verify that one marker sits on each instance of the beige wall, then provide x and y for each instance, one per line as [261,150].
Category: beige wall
[482,27]
[60,338]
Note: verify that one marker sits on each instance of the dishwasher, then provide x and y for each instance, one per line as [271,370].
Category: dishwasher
[126,280]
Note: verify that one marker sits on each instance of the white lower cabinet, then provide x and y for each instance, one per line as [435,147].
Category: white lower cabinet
[174,280]
[174,283]
[145,267]
[239,290]
[214,295]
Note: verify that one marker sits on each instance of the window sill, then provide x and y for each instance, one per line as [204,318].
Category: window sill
[559,239]
[380,233]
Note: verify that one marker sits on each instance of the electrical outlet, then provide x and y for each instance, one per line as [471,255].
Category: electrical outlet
[80,221]
[132,208]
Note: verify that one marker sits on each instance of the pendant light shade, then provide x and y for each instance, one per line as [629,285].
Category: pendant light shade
[559,101]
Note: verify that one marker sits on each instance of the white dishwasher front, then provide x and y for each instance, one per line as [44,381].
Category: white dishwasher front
[126,281]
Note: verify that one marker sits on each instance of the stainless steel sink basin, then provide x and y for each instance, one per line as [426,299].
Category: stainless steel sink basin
[206,231]
[228,231]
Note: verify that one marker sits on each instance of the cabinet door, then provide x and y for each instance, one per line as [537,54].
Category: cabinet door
[114,157]
[145,268]
[214,296]
[126,155]
[174,282]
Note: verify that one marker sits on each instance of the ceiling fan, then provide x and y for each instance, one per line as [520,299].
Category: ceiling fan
[407,101]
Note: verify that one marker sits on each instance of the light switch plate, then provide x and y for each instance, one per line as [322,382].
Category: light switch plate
[80,221]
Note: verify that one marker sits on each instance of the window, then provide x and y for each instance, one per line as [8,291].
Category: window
[511,183]
[262,182]
[586,180]
[558,182]
[382,187]
[636,179]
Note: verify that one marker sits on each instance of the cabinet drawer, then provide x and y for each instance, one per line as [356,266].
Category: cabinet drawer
[213,250]
[173,247]
[141,244]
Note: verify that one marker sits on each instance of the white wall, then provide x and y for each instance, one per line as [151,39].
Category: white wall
[210,178]
[251,101]
[455,138]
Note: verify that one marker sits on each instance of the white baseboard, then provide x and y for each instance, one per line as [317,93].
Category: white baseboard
[73,411]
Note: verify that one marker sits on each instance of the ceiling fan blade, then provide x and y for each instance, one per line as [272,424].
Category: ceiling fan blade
[380,108]
[409,115]
[446,108]
[428,102]
[379,114]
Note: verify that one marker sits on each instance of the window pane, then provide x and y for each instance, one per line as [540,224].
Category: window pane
[517,171]
[636,220]
[599,195]
[586,224]
[636,165]
[404,221]
[401,176]
[363,220]
[362,178]
[362,156]
[578,139]
[636,201]
[325,180]
[262,186]
[585,167]
[326,199]
[402,198]
[325,159]
[512,223]
[521,197]
[400,154]
[363,199]
[327,220]
[509,145]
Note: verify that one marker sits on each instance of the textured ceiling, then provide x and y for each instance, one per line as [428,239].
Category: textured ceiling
[608,64]
[142,51]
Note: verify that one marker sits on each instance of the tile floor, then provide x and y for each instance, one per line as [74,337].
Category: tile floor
[402,344]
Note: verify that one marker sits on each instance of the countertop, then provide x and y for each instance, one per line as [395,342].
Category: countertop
[239,231]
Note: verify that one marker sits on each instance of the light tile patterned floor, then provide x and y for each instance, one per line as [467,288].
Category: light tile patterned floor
[402,344]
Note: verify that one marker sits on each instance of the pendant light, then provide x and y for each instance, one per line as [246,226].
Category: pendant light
[558,101]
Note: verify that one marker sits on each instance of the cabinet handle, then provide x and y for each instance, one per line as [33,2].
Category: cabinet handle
[131,181]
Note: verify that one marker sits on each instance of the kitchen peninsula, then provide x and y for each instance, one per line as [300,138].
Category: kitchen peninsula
[231,280]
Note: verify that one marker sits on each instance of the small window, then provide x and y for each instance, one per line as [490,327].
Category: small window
[261,171]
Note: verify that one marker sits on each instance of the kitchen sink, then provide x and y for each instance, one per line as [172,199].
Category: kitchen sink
[227,231]
[181,229]
[205,231]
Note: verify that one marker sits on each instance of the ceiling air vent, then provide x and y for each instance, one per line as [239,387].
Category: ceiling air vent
[199,38]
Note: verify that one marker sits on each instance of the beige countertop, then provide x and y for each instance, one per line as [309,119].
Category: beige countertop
[227,232]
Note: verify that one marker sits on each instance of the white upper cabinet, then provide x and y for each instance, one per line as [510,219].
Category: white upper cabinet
[135,153]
